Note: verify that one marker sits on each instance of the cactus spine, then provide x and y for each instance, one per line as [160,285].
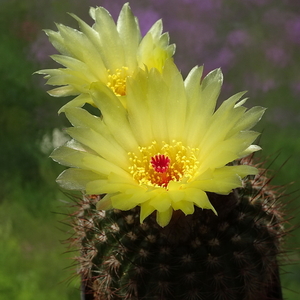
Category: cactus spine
[201,256]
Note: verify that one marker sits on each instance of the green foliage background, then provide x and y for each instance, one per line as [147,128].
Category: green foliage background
[34,264]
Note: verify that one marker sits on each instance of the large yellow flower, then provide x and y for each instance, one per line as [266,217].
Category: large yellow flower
[165,150]
[106,52]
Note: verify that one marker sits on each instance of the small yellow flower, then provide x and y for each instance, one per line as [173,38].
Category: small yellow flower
[106,52]
[165,150]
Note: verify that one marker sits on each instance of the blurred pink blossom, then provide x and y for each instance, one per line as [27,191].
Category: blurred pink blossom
[277,55]
[223,59]
[238,37]
[293,29]
[257,84]
[41,49]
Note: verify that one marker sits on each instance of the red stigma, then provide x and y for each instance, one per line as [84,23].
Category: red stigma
[160,163]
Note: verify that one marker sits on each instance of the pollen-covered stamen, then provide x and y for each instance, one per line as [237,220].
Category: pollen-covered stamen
[160,163]
[117,80]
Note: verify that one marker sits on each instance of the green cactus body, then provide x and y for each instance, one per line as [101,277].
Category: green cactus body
[200,256]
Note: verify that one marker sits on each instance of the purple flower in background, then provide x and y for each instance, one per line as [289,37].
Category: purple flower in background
[268,84]
[257,83]
[272,17]
[205,5]
[224,59]
[147,17]
[200,34]
[238,37]
[41,50]
[277,56]
[295,87]
[293,29]
[259,2]
[193,40]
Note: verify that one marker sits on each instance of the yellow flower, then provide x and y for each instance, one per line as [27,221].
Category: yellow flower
[106,52]
[165,150]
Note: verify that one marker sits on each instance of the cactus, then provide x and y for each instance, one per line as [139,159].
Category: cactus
[201,256]
[172,209]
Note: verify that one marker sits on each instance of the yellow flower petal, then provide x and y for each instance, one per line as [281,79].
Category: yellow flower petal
[186,207]
[160,200]
[76,179]
[202,102]
[146,210]
[96,187]
[110,39]
[114,116]
[104,203]
[225,179]
[199,197]
[109,151]
[163,218]
[122,201]
[138,110]
[154,49]
[88,161]
[78,101]
[129,33]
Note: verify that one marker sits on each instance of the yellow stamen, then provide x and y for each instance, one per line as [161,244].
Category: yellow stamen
[117,81]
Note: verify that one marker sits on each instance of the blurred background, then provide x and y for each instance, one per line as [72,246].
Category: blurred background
[255,42]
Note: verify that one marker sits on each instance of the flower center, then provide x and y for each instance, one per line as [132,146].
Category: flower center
[160,163]
[117,81]
[157,166]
